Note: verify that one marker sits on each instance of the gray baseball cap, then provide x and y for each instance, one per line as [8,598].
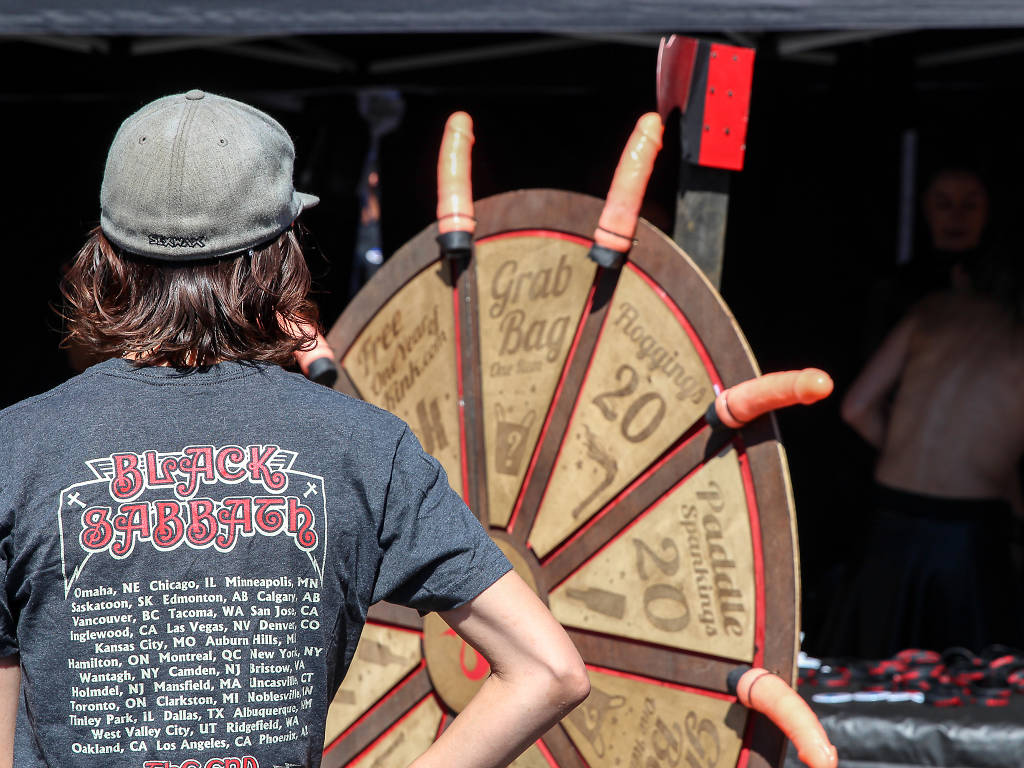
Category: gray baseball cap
[194,175]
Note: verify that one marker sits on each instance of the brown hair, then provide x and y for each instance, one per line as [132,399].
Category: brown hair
[250,306]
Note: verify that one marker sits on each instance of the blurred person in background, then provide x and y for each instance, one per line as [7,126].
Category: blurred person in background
[940,400]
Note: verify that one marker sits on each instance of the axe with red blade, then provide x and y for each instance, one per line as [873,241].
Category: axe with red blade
[709,83]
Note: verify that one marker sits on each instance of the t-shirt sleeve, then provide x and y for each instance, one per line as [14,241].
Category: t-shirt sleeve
[8,638]
[435,554]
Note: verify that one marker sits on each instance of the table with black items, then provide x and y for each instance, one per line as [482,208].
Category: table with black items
[901,734]
[921,709]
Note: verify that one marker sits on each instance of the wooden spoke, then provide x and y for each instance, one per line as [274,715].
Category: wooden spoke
[378,720]
[638,658]
[471,404]
[407,739]
[561,411]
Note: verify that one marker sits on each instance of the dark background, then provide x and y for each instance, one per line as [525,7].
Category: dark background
[812,220]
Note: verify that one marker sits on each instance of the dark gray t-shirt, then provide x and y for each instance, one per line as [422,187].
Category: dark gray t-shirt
[188,560]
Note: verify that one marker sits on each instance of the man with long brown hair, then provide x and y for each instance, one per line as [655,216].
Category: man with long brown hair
[190,536]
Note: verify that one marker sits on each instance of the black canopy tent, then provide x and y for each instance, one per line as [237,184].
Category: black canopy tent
[304,17]
[555,87]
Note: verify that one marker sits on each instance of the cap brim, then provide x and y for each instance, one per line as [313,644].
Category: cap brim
[306,201]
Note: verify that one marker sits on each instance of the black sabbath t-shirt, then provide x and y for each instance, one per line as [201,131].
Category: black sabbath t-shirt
[188,560]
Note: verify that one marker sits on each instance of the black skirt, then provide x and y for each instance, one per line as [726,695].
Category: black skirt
[935,573]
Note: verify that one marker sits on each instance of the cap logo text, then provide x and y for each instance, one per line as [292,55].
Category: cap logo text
[178,241]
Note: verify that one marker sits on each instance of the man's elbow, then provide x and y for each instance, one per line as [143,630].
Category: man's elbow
[579,686]
[570,681]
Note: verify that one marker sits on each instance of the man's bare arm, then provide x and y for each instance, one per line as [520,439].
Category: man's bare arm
[536,678]
[10,683]
[864,407]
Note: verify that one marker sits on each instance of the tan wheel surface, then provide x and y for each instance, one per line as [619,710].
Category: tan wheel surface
[566,402]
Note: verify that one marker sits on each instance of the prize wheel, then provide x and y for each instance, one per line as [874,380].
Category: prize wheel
[567,403]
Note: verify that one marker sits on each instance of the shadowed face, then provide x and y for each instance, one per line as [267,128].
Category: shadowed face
[956,209]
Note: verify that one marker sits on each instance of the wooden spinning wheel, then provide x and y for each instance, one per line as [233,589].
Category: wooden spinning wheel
[567,403]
